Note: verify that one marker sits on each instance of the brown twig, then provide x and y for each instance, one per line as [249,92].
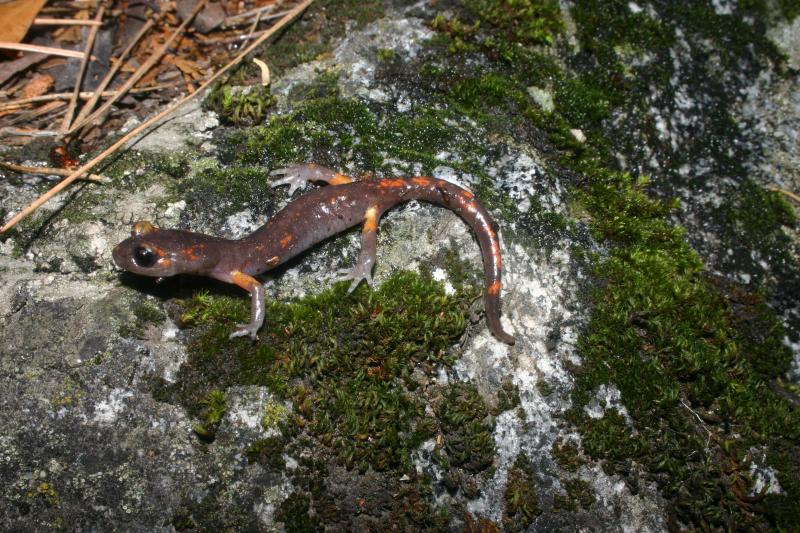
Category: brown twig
[153,120]
[89,106]
[73,101]
[15,104]
[22,47]
[790,194]
[253,27]
[141,71]
[248,14]
[20,132]
[38,112]
[242,37]
[46,170]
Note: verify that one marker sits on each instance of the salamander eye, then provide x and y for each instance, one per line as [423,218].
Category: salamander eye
[144,257]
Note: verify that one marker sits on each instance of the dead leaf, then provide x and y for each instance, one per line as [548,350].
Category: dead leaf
[38,86]
[211,16]
[16,17]
[72,34]
[10,68]
[188,67]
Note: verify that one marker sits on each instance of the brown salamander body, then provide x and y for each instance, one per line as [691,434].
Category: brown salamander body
[310,219]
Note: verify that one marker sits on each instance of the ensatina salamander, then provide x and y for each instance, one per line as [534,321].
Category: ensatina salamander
[306,221]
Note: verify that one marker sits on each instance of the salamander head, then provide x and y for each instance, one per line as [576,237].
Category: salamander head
[159,253]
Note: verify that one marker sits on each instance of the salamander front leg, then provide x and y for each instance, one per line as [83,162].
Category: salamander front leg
[257,307]
[297,176]
[362,270]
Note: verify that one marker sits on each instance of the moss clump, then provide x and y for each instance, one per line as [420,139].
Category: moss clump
[345,361]
[578,496]
[507,397]
[755,215]
[274,414]
[243,107]
[467,427]
[212,410]
[295,514]
[145,313]
[523,21]
[522,504]
[267,452]
[669,341]
[46,493]
[567,455]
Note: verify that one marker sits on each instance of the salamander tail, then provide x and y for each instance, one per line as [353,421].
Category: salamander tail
[463,203]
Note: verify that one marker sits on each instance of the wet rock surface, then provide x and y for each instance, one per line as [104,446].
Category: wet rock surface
[125,407]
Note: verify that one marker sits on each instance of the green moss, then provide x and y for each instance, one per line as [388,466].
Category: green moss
[578,496]
[523,21]
[240,107]
[676,348]
[544,388]
[145,313]
[567,455]
[212,410]
[344,360]
[756,216]
[507,397]
[522,504]
[46,493]
[467,427]
[386,55]
[267,452]
[294,513]
[675,343]
[274,413]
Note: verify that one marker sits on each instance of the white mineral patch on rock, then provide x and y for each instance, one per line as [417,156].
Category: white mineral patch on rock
[107,411]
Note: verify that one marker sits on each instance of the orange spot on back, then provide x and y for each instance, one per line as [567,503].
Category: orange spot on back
[286,240]
[340,179]
[391,183]
[421,180]
[494,288]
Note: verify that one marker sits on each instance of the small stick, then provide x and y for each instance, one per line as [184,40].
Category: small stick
[86,109]
[82,70]
[45,170]
[237,38]
[86,95]
[19,132]
[44,21]
[22,47]
[790,194]
[33,206]
[252,12]
[141,71]
[252,28]
[33,113]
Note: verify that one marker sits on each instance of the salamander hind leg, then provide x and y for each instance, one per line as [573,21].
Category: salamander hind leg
[257,305]
[297,176]
[362,270]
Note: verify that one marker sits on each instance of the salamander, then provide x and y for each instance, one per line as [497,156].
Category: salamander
[306,221]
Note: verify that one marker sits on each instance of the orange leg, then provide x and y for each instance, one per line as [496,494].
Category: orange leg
[362,270]
[257,308]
